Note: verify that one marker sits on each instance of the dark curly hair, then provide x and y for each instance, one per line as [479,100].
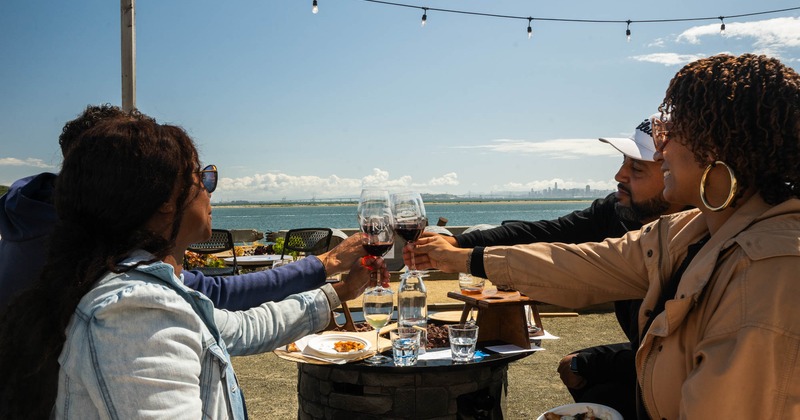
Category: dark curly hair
[113,180]
[744,111]
[92,115]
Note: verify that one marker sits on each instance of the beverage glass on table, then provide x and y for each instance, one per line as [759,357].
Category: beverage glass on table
[378,307]
[463,339]
[470,285]
[405,346]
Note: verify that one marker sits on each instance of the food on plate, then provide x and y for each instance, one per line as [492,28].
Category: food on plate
[347,346]
[587,415]
[292,347]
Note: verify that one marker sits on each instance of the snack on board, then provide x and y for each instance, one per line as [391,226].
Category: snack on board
[292,347]
[347,346]
[588,415]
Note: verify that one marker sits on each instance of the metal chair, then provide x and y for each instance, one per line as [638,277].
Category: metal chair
[309,241]
[221,240]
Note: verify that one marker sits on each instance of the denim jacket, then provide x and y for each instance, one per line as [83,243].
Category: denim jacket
[142,345]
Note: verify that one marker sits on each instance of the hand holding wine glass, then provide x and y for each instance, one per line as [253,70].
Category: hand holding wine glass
[409,218]
[375,220]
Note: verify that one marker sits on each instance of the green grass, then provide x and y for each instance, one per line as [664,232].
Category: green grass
[270,383]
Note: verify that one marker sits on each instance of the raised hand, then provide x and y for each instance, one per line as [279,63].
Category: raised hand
[434,251]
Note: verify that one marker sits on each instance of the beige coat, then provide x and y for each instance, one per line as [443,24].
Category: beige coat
[728,345]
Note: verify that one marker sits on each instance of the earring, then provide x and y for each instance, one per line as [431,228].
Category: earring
[731,192]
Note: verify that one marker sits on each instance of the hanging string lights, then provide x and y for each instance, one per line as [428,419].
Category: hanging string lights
[530,19]
[628,31]
[530,29]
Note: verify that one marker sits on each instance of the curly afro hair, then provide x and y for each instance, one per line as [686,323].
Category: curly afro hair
[744,111]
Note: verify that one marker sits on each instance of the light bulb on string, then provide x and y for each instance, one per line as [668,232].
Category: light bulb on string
[722,27]
[628,31]
[314,8]
[530,30]
[424,17]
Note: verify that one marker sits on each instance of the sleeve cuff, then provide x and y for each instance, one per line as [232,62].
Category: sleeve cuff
[476,267]
[330,293]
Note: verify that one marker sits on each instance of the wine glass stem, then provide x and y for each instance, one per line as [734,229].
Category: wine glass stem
[413,263]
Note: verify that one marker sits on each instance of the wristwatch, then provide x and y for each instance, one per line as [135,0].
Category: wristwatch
[573,365]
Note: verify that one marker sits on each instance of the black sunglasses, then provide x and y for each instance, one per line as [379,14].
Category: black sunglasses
[209,177]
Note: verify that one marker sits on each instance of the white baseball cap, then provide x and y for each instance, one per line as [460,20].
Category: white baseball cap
[640,145]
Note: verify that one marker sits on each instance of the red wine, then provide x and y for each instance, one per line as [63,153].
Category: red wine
[409,231]
[379,249]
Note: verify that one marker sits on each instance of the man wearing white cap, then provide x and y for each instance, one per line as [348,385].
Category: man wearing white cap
[603,374]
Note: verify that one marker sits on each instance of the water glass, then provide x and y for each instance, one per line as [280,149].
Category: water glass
[405,346]
[470,285]
[462,341]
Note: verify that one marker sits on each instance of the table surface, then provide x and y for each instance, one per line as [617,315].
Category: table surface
[256,259]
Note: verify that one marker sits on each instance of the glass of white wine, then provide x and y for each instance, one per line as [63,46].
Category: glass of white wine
[378,307]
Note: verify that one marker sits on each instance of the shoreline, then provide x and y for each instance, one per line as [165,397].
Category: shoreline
[454,202]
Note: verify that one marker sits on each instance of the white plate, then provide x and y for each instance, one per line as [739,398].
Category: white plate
[323,346]
[600,411]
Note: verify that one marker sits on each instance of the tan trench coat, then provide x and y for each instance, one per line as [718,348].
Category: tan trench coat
[728,345]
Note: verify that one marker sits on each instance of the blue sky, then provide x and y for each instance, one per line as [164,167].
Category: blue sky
[290,104]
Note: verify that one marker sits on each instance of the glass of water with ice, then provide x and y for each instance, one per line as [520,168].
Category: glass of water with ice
[462,341]
[405,345]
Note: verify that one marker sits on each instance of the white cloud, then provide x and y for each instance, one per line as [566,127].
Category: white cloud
[274,186]
[555,149]
[36,163]
[770,37]
[669,59]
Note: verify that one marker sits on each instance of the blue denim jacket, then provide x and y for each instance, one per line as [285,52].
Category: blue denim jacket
[142,345]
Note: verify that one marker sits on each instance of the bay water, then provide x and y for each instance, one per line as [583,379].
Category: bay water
[275,218]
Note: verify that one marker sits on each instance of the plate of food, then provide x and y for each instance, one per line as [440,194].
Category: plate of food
[581,411]
[339,346]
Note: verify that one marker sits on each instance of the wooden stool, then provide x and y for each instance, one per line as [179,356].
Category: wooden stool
[501,316]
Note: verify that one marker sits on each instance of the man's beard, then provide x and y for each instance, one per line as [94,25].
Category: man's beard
[646,210]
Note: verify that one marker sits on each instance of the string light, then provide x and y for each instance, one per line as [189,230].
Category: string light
[722,27]
[530,30]
[314,8]
[529,18]
[628,31]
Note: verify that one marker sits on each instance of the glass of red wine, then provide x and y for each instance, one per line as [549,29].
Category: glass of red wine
[375,219]
[409,219]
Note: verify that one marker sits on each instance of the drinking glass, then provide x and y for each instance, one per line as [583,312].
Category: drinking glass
[378,307]
[409,219]
[405,346]
[375,220]
[462,341]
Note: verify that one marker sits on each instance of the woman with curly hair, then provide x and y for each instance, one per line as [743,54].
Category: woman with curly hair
[720,322]
[110,330]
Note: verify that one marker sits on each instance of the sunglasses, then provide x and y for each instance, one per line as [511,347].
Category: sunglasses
[209,177]
[660,134]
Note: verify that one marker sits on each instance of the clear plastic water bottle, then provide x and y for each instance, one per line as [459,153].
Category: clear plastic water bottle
[412,306]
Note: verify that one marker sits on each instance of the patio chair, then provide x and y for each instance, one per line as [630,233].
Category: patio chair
[309,241]
[221,240]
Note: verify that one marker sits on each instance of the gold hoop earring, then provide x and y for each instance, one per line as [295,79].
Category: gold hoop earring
[731,192]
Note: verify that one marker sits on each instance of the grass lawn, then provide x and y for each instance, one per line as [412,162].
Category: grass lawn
[270,383]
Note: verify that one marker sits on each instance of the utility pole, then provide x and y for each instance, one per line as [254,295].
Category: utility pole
[128,49]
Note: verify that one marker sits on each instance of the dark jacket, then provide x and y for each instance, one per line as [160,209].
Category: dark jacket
[28,217]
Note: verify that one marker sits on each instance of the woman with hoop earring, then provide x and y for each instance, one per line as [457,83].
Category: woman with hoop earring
[720,321]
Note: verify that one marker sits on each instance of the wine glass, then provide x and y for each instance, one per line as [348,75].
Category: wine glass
[378,307]
[375,220]
[409,219]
